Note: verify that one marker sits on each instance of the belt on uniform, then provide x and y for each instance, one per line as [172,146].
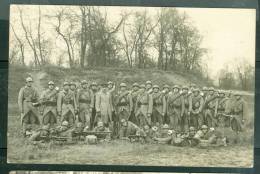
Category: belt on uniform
[84,101]
[122,104]
[50,104]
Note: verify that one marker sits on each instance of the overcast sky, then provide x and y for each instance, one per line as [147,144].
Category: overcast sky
[228,34]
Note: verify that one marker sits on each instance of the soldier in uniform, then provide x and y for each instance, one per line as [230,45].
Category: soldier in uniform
[165,92]
[66,104]
[49,100]
[144,107]
[101,128]
[128,128]
[204,92]
[26,99]
[85,100]
[159,106]
[175,110]
[195,109]
[134,93]
[93,88]
[104,106]
[224,121]
[211,108]
[124,103]
[185,121]
[237,113]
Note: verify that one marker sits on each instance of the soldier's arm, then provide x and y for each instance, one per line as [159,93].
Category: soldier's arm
[59,102]
[150,104]
[20,100]
[164,105]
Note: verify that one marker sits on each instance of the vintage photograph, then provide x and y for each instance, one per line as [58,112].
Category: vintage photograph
[148,86]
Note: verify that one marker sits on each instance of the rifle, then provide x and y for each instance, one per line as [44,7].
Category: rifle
[55,138]
[45,99]
[99,135]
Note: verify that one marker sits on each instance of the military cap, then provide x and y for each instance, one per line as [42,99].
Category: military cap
[156,86]
[50,83]
[166,86]
[65,83]
[176,86]
[100,124]
[29,79]
[122,85]
[93,84]
[196,90]
[84,82]
[135,85]
[65,123]
[165,126]
[211,89]
[73,83]
[205,88]
[204,127]
[109,82]
[192,128]
[185,87]
[148,82]
[142,86]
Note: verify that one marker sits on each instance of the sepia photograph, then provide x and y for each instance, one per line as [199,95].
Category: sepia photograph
[122,85]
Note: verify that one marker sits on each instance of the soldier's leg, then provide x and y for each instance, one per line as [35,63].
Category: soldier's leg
[46,118]
[171,116]
[33,121]
[25,123]
[200,120]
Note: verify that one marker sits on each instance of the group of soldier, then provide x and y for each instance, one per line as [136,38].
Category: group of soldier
[149,112]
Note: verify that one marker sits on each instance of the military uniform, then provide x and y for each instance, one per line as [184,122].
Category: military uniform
[66,106]
[238,115]
[211,107]
[130,129]
[175,110]
[185,120]
[30,116]
[195,109]
[144,106]
[49,99]
[224,121]
[93,112]
[159,106]
[85,100]
[134,94]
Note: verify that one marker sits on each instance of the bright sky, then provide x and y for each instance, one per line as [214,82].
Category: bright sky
[228,34]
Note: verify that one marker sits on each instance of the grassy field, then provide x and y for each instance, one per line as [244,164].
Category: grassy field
[120,152]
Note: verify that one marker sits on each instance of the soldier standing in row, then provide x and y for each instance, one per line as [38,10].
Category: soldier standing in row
[66,104]
[175,110]
[29,114]
[149,86]
[134,93]
[224,121]
[159,105]
[237,113]
[195,109]
[85,100]
[93,88]
[165,93]
[104,106]
[49,100]
[144,106]
[185,121]
[211,108]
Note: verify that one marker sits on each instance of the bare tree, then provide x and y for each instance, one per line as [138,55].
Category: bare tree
[20,45]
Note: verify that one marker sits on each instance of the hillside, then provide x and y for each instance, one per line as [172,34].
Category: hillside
[17,77]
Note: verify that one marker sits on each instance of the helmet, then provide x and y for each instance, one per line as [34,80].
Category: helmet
[109,82]
[93,84]
[185,87]
[165,126]
[29,79]
[196,90]
[204,127]
[156,86]
[73,83]
[122,120]
[148,82]
[166,86]
[192,128]
[65,83]
[65,123]
[50,83]
[135,85]
[142,86]
[122,85]
[100,124]
[84,82]
[205,88]
[211,89]
[146,127]
[176,86]
[212,129]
